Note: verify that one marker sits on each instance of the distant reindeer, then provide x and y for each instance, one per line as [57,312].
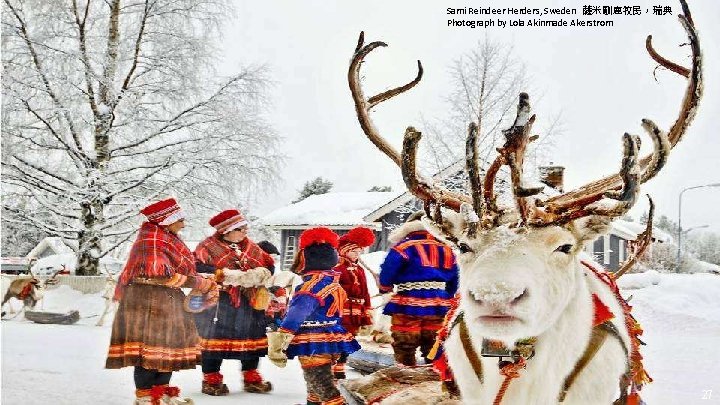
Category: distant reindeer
[29,290]
[528,293]
[110,305]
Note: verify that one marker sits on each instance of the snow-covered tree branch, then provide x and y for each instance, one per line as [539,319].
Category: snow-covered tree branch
[110,104]
[484,86]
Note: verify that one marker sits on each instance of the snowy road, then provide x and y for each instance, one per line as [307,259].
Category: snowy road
[54,364]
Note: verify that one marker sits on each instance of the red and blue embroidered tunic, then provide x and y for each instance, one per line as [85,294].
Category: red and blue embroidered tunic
[314,317]
[425,274]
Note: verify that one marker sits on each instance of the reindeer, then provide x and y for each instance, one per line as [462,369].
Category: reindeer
[538,320]
[29,290]
[108,294]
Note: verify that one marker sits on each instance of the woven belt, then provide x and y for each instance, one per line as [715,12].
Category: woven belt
[421,285]
[151,281]
[317,324]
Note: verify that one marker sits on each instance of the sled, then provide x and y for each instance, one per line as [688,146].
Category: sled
[371,357]
[397,385]
[53,317]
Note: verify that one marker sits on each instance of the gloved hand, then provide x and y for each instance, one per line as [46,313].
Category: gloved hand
[250,278]
[256,277]
[278,342]
[213,296]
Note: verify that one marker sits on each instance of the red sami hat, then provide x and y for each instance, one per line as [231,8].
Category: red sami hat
[360,237]
[317,236]
[227,221]
[163,212]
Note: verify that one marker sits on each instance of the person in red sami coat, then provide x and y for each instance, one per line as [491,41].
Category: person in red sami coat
[151,331]
[357,309]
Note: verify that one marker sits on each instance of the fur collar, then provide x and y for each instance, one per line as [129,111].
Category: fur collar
[401,232]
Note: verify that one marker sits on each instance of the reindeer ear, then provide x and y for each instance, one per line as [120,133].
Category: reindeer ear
[450,230]
[588,229]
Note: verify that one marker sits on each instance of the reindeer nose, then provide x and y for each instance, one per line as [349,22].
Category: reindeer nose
[499,294]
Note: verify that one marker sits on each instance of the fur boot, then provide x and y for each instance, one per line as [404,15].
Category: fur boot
[320,382]
[213,385]
[253,382]
[171,397]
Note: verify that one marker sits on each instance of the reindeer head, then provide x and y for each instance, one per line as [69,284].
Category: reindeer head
[519,264]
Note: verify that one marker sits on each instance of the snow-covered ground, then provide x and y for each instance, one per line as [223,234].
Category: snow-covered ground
[54,364]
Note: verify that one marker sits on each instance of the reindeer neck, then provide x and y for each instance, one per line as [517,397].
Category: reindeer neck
[563,343]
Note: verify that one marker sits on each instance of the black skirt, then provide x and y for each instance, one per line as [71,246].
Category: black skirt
[238,333]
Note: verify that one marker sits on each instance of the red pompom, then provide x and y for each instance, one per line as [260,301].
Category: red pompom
[360,236]
[318,235]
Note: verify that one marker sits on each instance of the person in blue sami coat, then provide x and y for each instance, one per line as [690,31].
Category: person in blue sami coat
[424,274]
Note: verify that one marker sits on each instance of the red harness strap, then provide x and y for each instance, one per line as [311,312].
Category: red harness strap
[25,292]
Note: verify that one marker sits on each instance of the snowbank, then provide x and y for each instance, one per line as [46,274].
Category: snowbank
[639,280]
[52,263]
[63,364]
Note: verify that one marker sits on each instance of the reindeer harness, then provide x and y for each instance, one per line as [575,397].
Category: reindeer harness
[525,349]
[27,290]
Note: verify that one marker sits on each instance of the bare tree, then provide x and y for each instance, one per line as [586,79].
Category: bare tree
[484,83]
[110,104]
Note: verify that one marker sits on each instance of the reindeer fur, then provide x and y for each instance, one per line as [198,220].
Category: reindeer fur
[15,289]
[557,309]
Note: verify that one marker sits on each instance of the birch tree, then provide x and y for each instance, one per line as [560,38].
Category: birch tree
[484,86]
[110,104]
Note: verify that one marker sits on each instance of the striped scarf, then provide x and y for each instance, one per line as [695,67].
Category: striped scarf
[155,253]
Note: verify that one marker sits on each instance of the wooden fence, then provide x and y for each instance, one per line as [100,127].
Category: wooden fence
[84,284]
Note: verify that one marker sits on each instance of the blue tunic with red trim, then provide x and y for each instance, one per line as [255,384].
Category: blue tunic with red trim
[425,274]
[314,317]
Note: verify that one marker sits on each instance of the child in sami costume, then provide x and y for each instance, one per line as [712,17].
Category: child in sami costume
[151,330]
[425,275]
[312,330]
[357,311]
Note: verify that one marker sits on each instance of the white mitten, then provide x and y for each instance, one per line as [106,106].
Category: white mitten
[233,277]
[256,277]
[278,343]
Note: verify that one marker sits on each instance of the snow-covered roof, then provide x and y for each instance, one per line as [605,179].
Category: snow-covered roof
[630,230]
[340,209]
[502,190]
[55,244]
[52,263]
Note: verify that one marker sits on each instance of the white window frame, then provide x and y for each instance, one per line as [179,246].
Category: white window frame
[606,249]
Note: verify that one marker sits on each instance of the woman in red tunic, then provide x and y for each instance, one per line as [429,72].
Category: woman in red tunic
[235,328]
[151,331]
[357,309]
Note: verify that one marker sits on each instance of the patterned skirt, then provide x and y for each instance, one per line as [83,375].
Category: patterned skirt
[239,332]
[310,341]
[153,331]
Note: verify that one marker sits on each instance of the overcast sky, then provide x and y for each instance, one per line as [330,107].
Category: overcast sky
[599,79]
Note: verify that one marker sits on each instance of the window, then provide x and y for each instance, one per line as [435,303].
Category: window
[606,249]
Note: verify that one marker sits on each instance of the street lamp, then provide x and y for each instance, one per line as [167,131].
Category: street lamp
[680,232]
[687,231]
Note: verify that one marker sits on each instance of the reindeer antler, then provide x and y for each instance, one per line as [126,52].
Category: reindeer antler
[644,239]
[574,204]
[620,190]
[418,186]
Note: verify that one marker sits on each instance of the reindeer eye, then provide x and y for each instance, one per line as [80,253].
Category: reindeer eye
[564,248]
[464,247]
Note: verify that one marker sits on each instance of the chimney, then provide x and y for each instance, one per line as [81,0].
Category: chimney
[552,176]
